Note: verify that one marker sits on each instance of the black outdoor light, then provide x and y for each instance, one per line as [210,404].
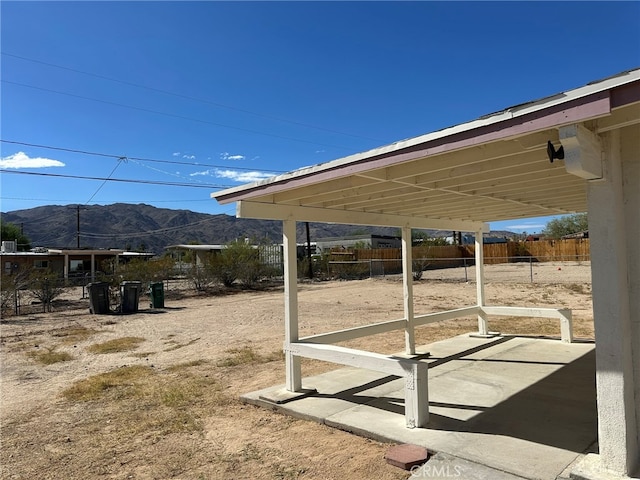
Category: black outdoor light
[552,153]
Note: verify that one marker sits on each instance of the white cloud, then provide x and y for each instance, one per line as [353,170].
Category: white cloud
[204,172]
[228,156]
[189,157]
[22,160]
[243,177]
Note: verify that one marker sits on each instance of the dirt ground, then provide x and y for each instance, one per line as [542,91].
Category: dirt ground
[163,402]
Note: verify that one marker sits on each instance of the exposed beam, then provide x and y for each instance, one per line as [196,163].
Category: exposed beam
[582,151]
[246,209]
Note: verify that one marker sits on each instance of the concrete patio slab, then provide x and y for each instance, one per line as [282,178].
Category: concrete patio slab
[521,405]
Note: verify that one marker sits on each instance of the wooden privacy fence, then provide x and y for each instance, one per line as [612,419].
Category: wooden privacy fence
[389,260]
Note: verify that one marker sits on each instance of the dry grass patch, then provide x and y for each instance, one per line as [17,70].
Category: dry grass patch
[71,335]
[247,355]
[50,356]
[146,401]
[182,366]
[116,345]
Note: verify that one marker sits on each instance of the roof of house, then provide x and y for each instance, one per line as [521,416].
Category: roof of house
[494,168]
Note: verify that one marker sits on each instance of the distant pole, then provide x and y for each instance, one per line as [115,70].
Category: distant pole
[309,251]
[78,227]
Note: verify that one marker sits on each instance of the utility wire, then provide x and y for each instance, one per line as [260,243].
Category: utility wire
[105,201]
[153,160]
[105,180]
[173,115]
[124,180]
[187,97]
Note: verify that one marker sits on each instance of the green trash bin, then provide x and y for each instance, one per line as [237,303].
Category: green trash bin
[156,292]
[130,295]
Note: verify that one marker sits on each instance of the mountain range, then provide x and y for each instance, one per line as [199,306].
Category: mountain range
[143,227]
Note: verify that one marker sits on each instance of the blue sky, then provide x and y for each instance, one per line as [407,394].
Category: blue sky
[178,99]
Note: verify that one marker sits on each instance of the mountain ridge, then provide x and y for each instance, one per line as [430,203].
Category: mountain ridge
[144,227]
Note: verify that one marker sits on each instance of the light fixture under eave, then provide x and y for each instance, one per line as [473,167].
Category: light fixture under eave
[552,153]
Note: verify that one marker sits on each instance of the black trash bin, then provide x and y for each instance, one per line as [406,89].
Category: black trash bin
[98,298]
[156,292]
[130,295]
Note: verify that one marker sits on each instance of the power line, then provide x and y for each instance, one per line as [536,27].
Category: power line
[173,115]
[124,157]
[187,97]
[106,201]
[124,180]
[148,232]
[103,183]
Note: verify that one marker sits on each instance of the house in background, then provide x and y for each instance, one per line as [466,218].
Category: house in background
[70,264]
[358,241]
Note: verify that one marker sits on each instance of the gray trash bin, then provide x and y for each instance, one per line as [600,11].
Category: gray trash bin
[130,295]
[99,298]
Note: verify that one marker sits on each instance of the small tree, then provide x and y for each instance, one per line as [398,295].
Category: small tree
[566,225]
[9,231]
[46,286]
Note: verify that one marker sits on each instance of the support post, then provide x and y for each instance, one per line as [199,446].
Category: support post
[416,395]
[483,328]
[407,284]
[614,225]
[292,362]
[65,268]
[93,267]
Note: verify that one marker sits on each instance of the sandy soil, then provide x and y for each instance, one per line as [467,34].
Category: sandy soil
[202,352]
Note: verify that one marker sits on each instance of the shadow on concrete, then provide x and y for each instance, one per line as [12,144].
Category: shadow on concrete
[559,410]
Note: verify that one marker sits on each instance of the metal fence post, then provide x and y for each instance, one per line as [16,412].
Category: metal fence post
[531,268]
[466,278]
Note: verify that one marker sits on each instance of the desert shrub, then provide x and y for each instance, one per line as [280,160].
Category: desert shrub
[46,286]
[200,276]
[10,287]
[351,271]
[238,261]
[145,271]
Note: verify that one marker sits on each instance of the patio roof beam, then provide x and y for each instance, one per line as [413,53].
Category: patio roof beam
[270,211]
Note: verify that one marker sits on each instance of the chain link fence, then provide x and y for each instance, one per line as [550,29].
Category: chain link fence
[515,269]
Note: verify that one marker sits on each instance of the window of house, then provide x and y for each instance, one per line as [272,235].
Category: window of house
[41,263]
[76,266]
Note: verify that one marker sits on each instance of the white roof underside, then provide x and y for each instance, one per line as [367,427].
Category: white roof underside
[494,168]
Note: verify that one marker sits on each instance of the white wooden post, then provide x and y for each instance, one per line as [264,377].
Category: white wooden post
[479,254]
[416,395]
[614,228]
[292,362]
[407,285]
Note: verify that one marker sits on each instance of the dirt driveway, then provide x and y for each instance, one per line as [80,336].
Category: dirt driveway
[154,395]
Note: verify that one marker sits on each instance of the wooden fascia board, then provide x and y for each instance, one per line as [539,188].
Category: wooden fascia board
[267,211]
[585,108]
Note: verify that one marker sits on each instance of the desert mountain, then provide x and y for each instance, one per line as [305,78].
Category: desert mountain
[144,227]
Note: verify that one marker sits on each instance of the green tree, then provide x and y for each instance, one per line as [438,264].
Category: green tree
[9,231]
[568,224]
